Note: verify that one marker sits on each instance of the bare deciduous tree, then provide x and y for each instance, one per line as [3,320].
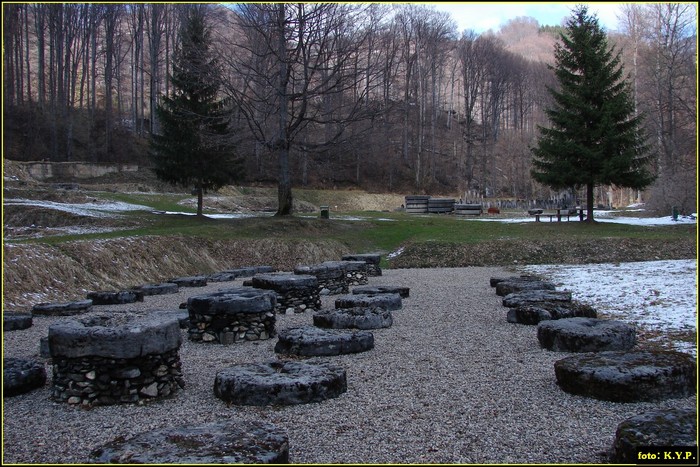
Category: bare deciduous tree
[295,67]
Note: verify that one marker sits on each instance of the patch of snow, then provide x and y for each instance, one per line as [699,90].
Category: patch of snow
[604,216]
[80,209]
[654,295]
[396,253]
[234,215]
[343,217]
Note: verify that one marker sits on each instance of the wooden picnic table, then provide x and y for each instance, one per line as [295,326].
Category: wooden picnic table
[561,212]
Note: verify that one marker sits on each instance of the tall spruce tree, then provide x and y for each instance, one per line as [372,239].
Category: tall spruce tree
[193,146]
[594,138]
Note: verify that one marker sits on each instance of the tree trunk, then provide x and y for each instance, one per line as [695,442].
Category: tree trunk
[39,24]
[9,82]
[157,17]
[111,18]
[284,187]
[27,56]
[200,199]
[589,202]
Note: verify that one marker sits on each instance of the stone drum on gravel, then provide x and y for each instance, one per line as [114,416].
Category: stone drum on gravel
[115,297]
[620,376]
[585,335]
[213,443]
[21,375]
[15,321]
[530,297]
[280,383]
[381,289]
[296,293]
[157,289]
[372,260]
[534,313]
[354,318]
[232,315]
[356,272]
[233,274]
[310,341]
[663,427]
[330,275]
[509,286]
[190,281]
[119,358]
[63,309]
[494,281]
[389,301]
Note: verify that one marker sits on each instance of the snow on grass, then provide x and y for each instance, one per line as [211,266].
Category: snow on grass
[396,253]
[80,209]
[233,215]
[604,216]
[657,296]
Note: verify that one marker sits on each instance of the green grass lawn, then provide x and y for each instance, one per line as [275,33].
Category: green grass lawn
[361,231]
[376,231]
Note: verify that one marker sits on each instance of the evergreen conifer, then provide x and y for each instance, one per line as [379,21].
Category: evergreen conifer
[595,137]
[192,147]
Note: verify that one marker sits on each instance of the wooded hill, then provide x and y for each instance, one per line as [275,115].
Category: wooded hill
[394,97]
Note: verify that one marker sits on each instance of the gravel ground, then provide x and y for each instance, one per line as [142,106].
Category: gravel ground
[450,382]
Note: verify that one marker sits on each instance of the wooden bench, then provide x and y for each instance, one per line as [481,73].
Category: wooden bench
[562,212]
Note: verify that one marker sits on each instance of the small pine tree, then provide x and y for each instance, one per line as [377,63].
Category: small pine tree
[595,138]
[193,146]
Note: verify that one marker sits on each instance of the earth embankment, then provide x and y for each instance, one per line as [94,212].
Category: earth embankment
[35,273]
[40,272]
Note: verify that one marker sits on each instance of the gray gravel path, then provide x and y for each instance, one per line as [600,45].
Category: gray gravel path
[450,382]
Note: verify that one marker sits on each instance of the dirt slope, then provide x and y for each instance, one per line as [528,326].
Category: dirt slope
[36,273]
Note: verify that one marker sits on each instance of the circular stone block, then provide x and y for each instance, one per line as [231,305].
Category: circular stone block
[494,281]
[284,282]
[535,297]
[14,321]
[628,376]
[534,313]
[119,336]
[323,271]
[63,309]
[191,281]
[249,271]
[664,427]
[222,277]
[389,301]
[518,285]
[381,289]
[279,383]
[369,258]
[21,375]
[232,301]
[213,443]
[310,341]
[354,318]
[585,335]
[351,266]
[158,289]
[115,297]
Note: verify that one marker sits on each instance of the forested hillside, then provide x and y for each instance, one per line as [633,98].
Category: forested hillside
[383,97]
